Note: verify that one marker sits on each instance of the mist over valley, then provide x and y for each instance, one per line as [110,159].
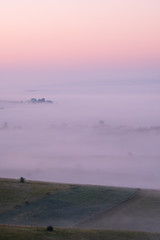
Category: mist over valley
[90,139]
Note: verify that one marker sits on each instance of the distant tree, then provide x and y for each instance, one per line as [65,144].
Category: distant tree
[101,122]
[49,101]
[41,100]
[22,180]
[5,125]
[33,100]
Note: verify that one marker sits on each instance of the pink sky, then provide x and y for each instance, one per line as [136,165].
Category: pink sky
[79,32]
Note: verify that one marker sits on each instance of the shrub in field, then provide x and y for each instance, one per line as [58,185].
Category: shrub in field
[22,180]
[50,228]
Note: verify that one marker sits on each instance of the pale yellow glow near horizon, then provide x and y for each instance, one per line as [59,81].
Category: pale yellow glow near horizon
[82,31]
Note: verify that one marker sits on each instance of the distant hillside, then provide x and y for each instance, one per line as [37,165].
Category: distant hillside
[80,206]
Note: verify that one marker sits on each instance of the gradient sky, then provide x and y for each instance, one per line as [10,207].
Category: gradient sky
[80,34]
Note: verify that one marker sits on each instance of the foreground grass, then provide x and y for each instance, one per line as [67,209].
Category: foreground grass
[13,193]
[62,205]
[28,233]
[81,206]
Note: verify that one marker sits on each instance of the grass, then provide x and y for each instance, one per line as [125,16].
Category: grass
[141,213]
[59,204]
[79,206]
[28,233]
[13,193]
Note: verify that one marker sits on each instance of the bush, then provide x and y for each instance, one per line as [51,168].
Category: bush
[22,180]
[50,228]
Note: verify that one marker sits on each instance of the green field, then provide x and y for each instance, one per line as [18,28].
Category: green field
[13,193]
[28,233]
[36,203]
[78,206]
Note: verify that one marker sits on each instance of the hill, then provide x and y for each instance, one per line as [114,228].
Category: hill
[141,213]
[80,206]
[64,205]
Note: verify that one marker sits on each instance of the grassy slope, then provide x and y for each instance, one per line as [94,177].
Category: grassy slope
[57,204]
[80,206]
[140,213]
[13,193]
[19,233]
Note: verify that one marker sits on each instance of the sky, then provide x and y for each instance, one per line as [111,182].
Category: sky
[109,39]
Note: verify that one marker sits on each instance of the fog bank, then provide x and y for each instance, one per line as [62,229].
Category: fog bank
[92,139]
